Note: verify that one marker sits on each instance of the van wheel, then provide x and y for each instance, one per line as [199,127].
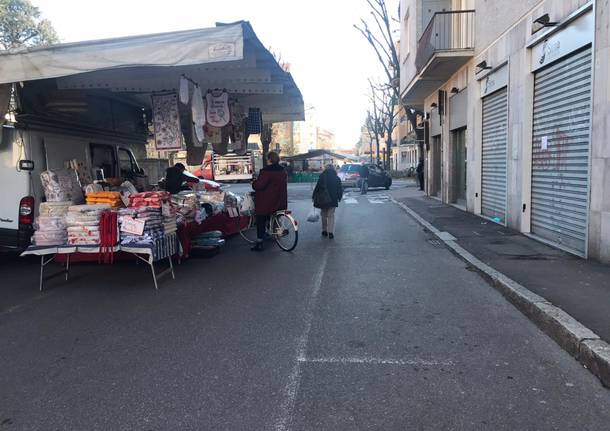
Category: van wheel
[388,185]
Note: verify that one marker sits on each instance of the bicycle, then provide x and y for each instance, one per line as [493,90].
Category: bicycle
[282,226]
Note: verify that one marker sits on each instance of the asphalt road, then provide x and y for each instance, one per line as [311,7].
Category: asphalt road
[379,329]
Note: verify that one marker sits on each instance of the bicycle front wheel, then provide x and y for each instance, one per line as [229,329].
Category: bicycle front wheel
[285,232]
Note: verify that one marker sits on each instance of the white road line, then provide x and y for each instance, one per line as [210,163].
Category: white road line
[294,379]
[350,201]
[377,361]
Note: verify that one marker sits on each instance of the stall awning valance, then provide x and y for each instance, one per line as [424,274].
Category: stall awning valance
[228,56]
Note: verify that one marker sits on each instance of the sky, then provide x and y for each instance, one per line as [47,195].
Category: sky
[330,61]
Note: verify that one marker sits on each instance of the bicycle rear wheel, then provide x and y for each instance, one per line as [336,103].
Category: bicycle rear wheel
[285,231]
[249,232]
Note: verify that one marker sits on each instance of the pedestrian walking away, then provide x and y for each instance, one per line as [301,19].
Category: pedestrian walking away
[364,179]
[420,174]
[326,196]
[271,195]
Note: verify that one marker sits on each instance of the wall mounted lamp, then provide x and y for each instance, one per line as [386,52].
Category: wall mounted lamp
[455,90]
[545,21]
[434,105]
[482,66]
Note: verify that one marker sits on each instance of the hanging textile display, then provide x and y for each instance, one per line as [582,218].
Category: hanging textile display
[198,114]
[195,149]
[266,134]
[255,121]
[184,90]
[222,147]
[166,120]
[240,137]
[218,114]
[195,154]
[237,113]
[213,135]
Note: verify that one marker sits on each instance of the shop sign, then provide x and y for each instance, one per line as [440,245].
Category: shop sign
[494,81]
[576,35]
[221,50]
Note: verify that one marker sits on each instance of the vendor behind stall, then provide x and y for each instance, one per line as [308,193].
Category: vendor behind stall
[175,177]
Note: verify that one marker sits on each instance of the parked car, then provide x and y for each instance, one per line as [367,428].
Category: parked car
[378,177]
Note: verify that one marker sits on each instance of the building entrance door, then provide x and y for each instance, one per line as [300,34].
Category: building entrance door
[458,180]
[437,166]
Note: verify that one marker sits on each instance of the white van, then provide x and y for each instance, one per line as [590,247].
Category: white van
[24,154]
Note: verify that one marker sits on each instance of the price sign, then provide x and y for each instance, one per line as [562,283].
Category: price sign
[132,225]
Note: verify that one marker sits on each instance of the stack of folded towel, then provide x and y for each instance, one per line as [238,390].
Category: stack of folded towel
[50,231]
[153,227]
[148,199]
[84,224]
[110,198]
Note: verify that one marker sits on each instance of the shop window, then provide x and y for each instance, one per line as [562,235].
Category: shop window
[103,161]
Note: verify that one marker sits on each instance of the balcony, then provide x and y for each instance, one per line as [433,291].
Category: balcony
[446,44]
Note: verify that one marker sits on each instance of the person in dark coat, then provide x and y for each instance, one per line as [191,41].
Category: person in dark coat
[420,174]
[364,178]
[271,195]
[174,178]
[328,182]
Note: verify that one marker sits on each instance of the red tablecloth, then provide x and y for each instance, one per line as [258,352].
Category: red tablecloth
[222,222]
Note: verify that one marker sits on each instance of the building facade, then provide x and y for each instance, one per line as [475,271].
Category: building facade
[516,100]
[405,150]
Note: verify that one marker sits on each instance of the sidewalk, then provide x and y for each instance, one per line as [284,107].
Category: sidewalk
[579,287]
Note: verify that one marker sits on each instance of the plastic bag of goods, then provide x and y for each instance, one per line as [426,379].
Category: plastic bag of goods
[247,204]
[313,216]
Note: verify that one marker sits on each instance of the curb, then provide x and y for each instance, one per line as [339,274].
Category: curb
[575,338]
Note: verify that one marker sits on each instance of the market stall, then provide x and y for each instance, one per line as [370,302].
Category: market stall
[197,89]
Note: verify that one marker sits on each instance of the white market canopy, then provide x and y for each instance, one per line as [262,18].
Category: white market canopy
[229,56]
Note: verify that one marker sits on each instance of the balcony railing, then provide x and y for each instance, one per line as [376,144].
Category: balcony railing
[446,32]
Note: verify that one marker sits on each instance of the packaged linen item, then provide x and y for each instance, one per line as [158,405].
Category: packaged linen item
[47,223]
[93,188]
[230,200]
[54,209]
[61,185]
[50,230]
[50,238]
[126,186]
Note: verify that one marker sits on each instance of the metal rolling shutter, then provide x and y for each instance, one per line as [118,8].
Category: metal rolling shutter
[560,173]
[495,124]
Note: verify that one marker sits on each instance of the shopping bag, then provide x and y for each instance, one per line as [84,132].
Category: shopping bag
[314,216]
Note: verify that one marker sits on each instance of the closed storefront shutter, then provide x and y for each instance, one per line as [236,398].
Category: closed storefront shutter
[495,124]
[560,154]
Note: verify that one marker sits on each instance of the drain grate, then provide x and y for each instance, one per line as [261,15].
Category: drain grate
[435,242]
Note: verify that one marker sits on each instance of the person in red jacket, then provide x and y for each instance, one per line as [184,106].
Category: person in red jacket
[271,195]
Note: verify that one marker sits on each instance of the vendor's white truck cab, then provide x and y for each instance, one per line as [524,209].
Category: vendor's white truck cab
[24,154]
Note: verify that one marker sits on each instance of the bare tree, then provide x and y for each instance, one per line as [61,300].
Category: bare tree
[385,103]
[379,32]
[375,119]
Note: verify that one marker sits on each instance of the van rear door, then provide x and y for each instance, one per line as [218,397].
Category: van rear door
[14,184]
